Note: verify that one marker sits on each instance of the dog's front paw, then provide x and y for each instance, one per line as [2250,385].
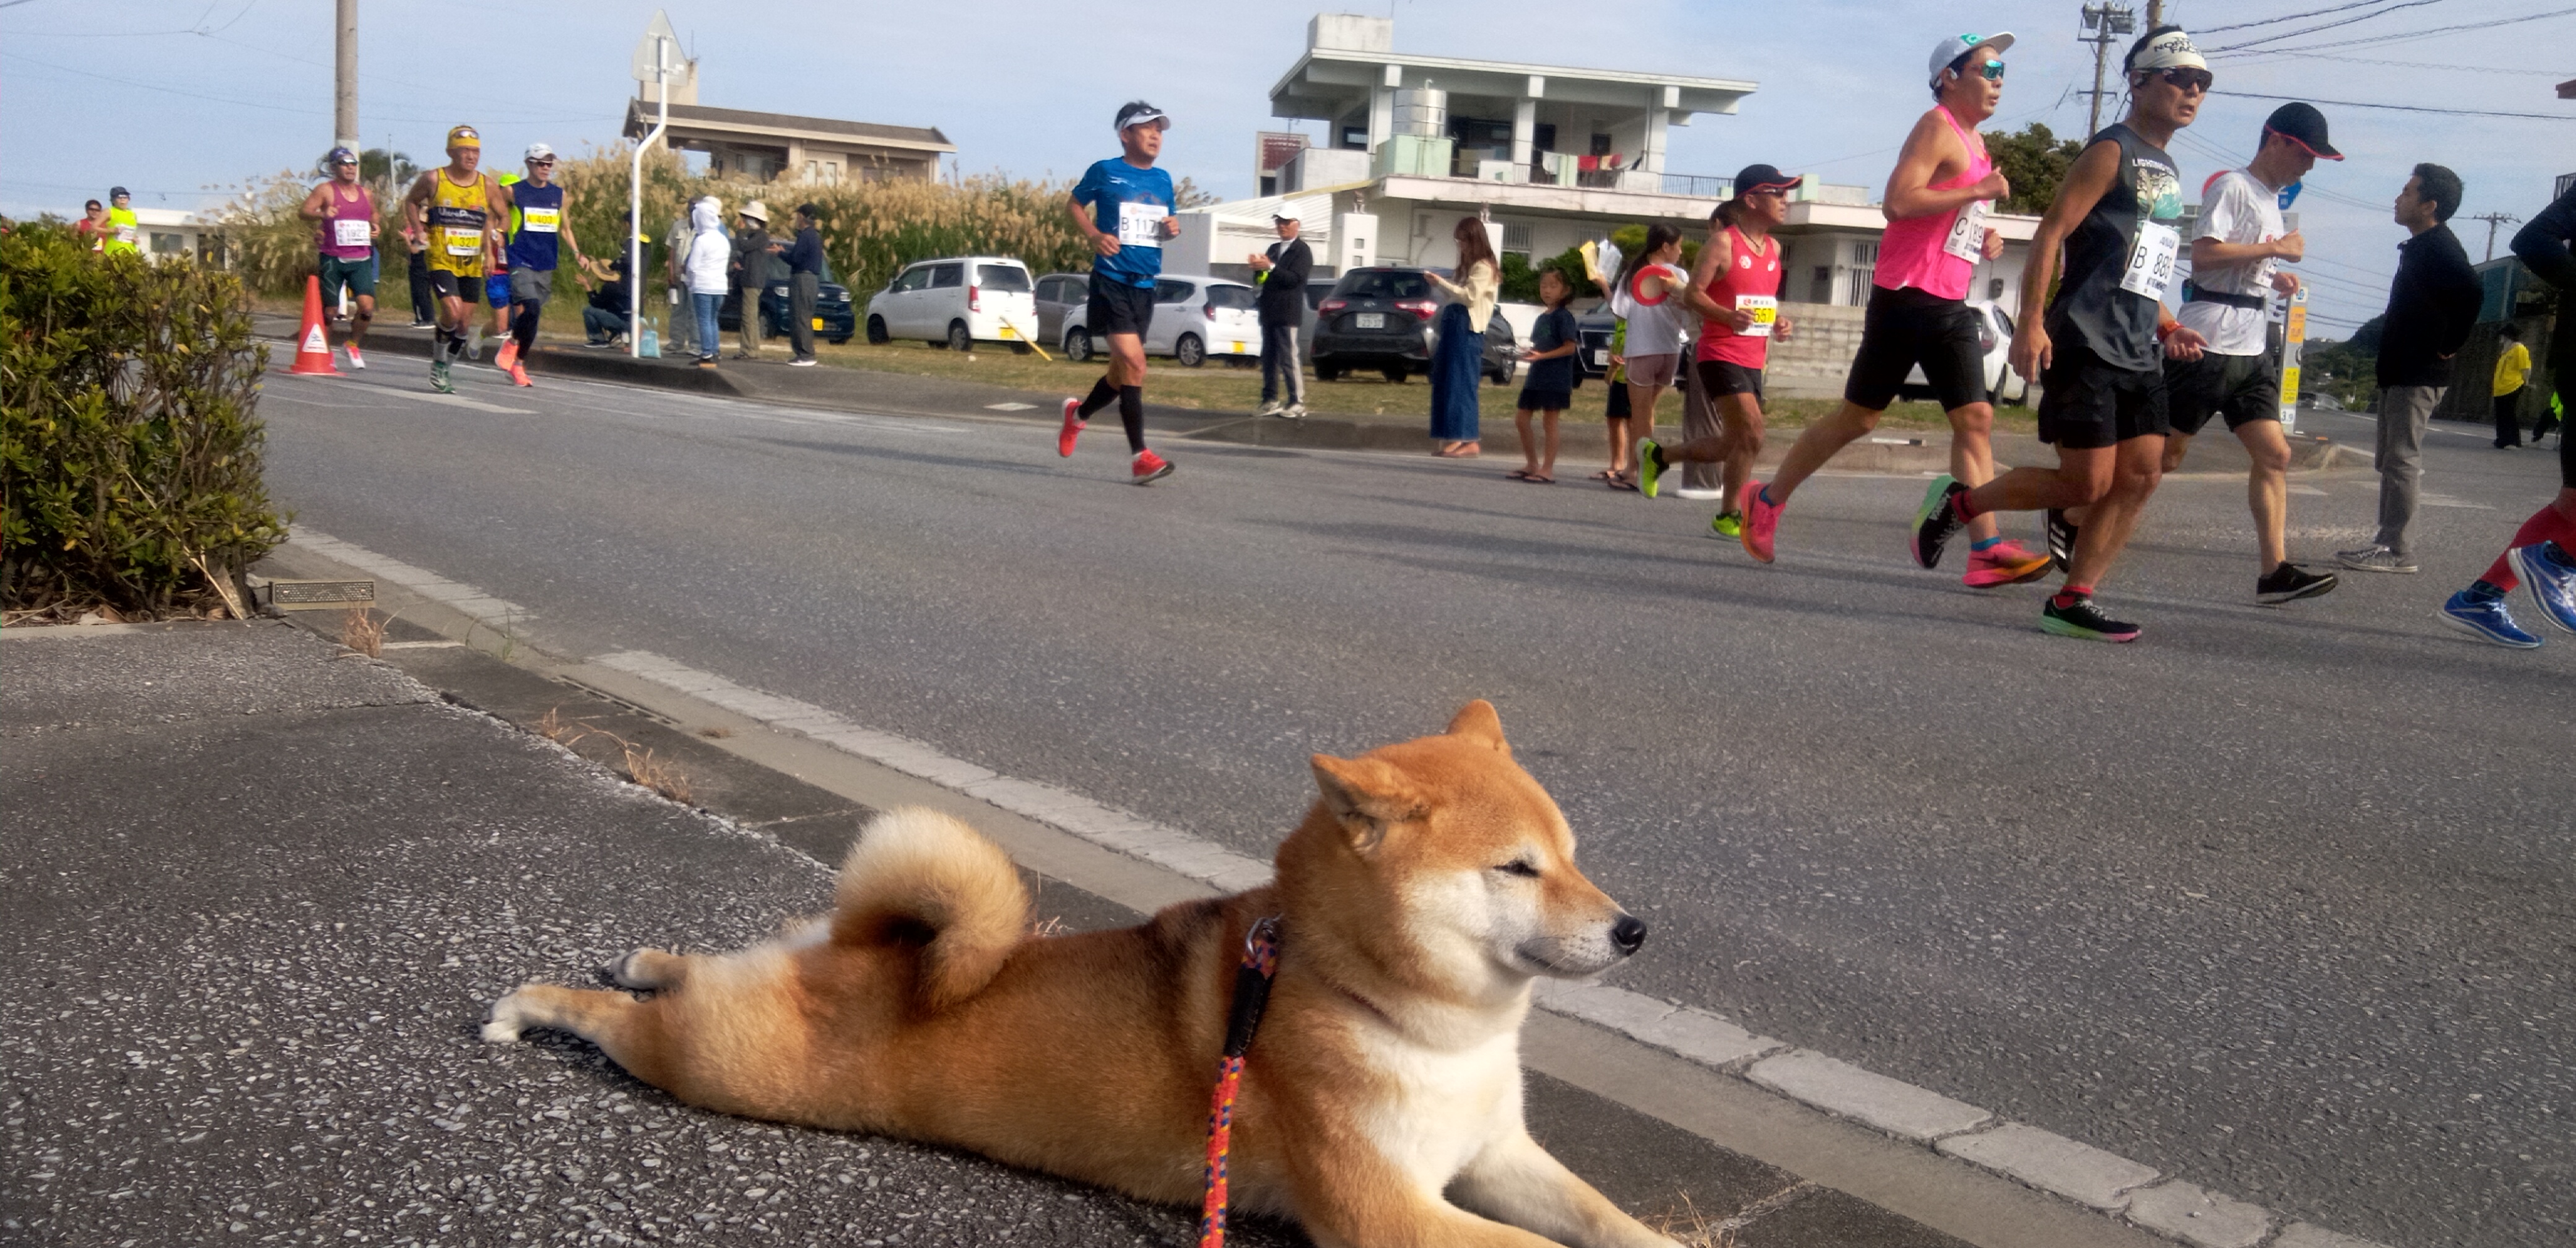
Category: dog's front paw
[503,1027]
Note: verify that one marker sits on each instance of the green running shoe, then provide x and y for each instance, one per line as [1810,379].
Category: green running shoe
[1650,466]
[1728,524]
[439,380]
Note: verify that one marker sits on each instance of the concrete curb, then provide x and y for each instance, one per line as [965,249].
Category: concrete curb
[2081,1175]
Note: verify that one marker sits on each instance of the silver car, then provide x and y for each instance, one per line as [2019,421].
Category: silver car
[1195,316]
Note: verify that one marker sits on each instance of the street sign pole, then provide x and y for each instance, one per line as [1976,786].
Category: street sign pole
[653,65]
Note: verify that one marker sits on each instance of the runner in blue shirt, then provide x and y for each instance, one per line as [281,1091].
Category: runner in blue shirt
[1124,207]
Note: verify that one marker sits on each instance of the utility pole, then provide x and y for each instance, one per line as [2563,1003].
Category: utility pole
[2494,219]
[2108,23]
[2155,13]
[344,100]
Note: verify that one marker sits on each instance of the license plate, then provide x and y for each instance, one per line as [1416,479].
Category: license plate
[1370,320]
[1235,347]
[1008,332]
[818,322]
[1601,358]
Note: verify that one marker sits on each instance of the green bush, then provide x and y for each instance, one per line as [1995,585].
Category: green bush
[129,436]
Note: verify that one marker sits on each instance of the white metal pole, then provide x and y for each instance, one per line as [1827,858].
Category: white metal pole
[635,202]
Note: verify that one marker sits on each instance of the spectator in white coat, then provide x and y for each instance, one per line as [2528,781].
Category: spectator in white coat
[710,256]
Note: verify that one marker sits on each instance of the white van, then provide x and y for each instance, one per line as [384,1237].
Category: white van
[956,303]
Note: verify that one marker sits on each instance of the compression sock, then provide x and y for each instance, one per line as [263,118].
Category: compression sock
[523,325]
[2071,595]
[1131,413]
[2544,525]
[1101,393]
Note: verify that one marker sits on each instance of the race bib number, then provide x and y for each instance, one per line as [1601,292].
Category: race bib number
[542,220]
[464,243]
[349,233]
[1766,314]
[126,233]
[2151,260]
[1141,225]
[1967,238]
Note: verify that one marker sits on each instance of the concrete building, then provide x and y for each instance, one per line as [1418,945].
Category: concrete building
[170,234]
[780,147]
[1549,156]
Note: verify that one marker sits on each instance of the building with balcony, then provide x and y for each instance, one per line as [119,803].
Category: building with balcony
[779,147]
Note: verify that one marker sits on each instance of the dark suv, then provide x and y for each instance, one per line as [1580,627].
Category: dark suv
[1381,319]
[835,319]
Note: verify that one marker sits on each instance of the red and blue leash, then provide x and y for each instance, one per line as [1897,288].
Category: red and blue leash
[1251,996]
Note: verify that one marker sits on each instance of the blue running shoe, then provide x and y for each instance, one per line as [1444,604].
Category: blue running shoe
[2486,619]
[2549,572]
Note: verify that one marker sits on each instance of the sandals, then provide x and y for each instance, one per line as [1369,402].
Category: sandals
[1525,475]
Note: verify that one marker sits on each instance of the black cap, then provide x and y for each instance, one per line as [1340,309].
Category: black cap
[114,191]
[1760,177]
[2303,124]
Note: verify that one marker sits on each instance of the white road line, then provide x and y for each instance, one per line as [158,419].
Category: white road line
[2136,1193]
[448,400]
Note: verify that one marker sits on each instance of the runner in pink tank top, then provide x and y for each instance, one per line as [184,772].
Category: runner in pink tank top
[343,211]
[1936,237]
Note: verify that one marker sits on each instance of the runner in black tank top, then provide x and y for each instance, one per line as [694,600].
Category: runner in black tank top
[2095,352]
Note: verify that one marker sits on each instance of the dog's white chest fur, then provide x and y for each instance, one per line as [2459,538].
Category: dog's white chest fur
[1449,1104]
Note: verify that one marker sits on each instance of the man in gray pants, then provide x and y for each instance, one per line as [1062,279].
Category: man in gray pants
[804,283]
[2431,305]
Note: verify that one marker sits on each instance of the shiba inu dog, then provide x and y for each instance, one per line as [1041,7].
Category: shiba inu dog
[1380,1105]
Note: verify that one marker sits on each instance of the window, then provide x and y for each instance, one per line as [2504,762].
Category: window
[1169,291]
[1384,284]
[1543,137]
[912,279]
[1055,290]
[943,276]
[1516,239]
[168,244]
[1224,296]
[1600,143]
[1002,277]
[1355,138]
[1820,289]
[1864,274]
[809,170]
[831,171]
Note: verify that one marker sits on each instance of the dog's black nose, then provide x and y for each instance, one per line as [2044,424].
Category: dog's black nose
[1628,933]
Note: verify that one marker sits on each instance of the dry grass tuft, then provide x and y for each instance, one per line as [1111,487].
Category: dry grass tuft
[1051,926]
[643,766]
[361,631]
[715,731]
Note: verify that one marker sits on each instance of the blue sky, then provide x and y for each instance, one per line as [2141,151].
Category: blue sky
[172,97]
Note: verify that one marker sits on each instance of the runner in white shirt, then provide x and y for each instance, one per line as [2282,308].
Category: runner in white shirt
[2236,260]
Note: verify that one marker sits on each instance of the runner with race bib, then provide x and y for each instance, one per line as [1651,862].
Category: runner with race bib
[1735,288]
[458,208]
[1124,207]
[544,231]
[2118,216]
[344,213]
[1918,310]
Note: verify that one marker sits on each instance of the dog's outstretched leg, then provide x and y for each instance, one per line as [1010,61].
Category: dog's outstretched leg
[1515,1181]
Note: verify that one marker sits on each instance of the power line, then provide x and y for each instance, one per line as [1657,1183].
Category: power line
[2325,26]
[280,108]
[2402,108]
[2246,50]
[2292,17]
[2267,57]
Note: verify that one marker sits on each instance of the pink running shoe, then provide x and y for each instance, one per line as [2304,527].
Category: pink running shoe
[519,374]
[1761,523]
[1151,468]
[1073,423]
[2004,563]
[507,357]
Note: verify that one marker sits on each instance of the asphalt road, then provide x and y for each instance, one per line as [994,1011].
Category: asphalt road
[2277,901]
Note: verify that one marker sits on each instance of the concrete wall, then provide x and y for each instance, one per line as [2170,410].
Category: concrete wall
[1813,362]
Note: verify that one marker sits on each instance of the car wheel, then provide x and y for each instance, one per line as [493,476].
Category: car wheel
[958,338]
[1191,352]
[1328,372]
[877,335]
[1077,345]
[1396,373]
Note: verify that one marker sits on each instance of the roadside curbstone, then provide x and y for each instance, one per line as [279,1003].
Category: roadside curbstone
[2052,1163]
[2310,1235]
[1897,1108]
[2196,1215]
[1706,1038]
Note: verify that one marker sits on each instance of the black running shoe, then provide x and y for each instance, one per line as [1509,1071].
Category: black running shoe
[1937,521]
[2084,620]
[2289,583]
[2060,534]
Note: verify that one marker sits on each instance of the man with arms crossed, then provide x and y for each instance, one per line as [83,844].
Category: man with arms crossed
[459,208]
[1124,207]
[2117,216]
[344,211]
[1918,311]
[2234,267]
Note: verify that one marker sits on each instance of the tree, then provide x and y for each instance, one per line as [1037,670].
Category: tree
[2034,160]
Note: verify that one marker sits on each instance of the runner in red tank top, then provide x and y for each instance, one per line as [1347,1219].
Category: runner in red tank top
[1735,288]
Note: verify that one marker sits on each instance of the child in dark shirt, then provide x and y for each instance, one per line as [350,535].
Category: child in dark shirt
[1550,388]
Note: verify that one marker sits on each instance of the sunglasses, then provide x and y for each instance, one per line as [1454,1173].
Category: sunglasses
[1994,71]
[2187,80]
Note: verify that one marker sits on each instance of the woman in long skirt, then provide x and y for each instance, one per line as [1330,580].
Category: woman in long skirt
[1458,360]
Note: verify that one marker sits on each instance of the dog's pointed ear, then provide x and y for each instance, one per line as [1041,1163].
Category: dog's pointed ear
[1366,796]
[1477,722]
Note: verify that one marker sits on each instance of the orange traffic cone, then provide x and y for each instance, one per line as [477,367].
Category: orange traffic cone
[313,347]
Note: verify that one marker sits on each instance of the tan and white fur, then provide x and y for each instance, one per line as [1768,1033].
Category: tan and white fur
[1381,1103]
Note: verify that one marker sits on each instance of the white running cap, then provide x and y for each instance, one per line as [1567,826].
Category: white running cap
[539,151]
[1957,46]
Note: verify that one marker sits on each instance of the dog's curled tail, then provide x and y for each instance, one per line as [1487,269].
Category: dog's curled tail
[921,878]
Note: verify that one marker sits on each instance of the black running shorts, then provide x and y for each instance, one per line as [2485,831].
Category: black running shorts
[451,286]
[1118,308]
[2086,403]
[1907,327]
[1724,377]
[2242,388]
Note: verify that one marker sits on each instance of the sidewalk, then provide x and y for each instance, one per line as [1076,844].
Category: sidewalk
[267,887]
[857,390]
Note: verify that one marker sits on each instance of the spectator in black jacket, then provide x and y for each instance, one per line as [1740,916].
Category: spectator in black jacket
[752,252]
[2431,305]
[804,282]
[604,320]
[1282,302]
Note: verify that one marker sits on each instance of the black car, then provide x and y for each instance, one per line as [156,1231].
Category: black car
[835,320]
[1380,319]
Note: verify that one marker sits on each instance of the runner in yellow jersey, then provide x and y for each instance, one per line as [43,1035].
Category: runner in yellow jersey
[459,208]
